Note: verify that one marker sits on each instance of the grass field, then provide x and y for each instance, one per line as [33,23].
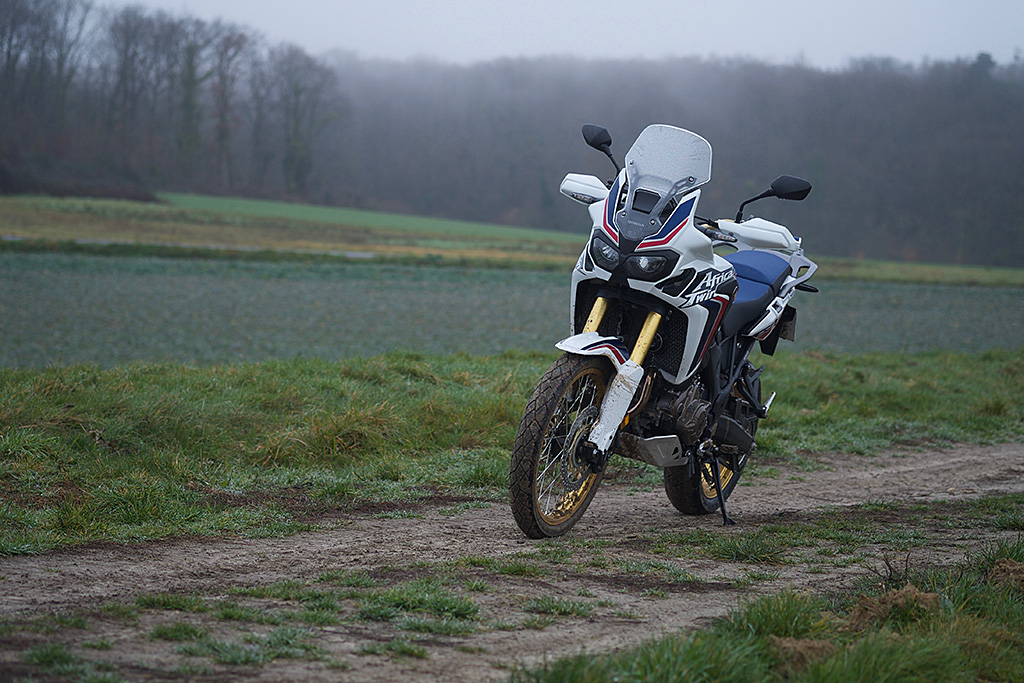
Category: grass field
[250,227]
[66,308]
[218,227]
[146,451]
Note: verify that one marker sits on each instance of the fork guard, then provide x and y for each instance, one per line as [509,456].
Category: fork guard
[621,389]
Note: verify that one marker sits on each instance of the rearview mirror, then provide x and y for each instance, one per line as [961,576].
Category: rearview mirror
[783,187]
[597,137]
[600,139]
[790,187]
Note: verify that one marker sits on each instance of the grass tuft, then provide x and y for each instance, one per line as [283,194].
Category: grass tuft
[171,601]
[559,607]
[757,547]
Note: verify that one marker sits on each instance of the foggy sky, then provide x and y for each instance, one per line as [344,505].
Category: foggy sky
[821,33]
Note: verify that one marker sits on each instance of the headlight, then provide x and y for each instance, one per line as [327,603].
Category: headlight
[647,267]
[604,254]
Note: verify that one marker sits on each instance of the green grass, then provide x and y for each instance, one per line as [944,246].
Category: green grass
[182,224]
[50,656]
[445,626]
[513,566]
[360,218]
[755,547]
[428,595]
[559,607]
[230,311]
[969,629]
[860,403]
[286,642]
[144,452]
[348,578]
[214,227]
[58,663]
[848,269]
[227,610]
[148,451]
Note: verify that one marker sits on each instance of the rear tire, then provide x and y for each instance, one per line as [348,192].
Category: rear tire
[550,485]
[695,493]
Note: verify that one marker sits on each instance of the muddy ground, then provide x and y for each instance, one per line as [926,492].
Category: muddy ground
[631,570]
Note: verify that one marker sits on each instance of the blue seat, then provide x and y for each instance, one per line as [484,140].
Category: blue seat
[760,275]
[751,301]
[760,266]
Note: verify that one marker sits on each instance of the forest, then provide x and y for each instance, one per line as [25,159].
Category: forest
[917,162]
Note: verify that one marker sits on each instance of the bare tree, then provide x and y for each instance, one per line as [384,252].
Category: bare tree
[306,91]
[260,109]
[228,49]
[67,52]
[195,71]
[130,35]
[17,19]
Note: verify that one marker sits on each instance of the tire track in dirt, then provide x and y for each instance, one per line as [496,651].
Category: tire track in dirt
[83,579]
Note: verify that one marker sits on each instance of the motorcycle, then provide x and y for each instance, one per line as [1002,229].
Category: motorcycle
[657,366]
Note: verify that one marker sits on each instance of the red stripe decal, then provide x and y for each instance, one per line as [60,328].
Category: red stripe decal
[611,232]
[647,244]
[614,349]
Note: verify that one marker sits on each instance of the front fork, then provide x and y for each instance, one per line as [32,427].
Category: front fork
[621,390]
[624,384]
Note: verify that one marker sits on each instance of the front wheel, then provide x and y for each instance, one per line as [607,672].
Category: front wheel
[550,483]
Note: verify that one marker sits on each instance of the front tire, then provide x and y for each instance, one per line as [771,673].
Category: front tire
[550,484]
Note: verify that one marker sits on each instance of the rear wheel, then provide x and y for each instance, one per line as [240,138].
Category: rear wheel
[550,483]
[695,493]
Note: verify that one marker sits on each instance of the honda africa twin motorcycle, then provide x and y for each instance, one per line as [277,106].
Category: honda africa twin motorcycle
[657,365]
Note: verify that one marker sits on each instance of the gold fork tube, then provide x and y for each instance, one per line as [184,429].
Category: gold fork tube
[643,342]
[596,314]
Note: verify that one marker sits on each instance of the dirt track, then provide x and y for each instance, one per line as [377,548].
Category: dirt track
[605,562]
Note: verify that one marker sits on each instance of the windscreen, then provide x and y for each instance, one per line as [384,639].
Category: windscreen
[662,164]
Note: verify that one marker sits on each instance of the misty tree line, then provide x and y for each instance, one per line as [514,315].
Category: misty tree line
[920,162]
[101,100]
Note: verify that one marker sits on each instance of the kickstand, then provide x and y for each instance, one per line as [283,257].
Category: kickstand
[715,467]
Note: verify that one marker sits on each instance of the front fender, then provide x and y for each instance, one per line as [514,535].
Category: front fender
[620,390]
[594,344]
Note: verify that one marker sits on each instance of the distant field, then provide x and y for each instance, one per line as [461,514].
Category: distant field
[250,225]
[67,308]
[217,227]
[366,219]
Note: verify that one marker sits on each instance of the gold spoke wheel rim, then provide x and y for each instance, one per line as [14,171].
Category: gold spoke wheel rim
[707,479]
[556,469]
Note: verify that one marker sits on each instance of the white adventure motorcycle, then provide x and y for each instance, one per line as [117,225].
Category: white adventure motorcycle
[662,326]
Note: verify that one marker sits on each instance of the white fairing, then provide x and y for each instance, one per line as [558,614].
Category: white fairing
[585,189]
[696,253]
[758,233]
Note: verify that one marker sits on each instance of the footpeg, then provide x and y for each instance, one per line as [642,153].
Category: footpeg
[763,412]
